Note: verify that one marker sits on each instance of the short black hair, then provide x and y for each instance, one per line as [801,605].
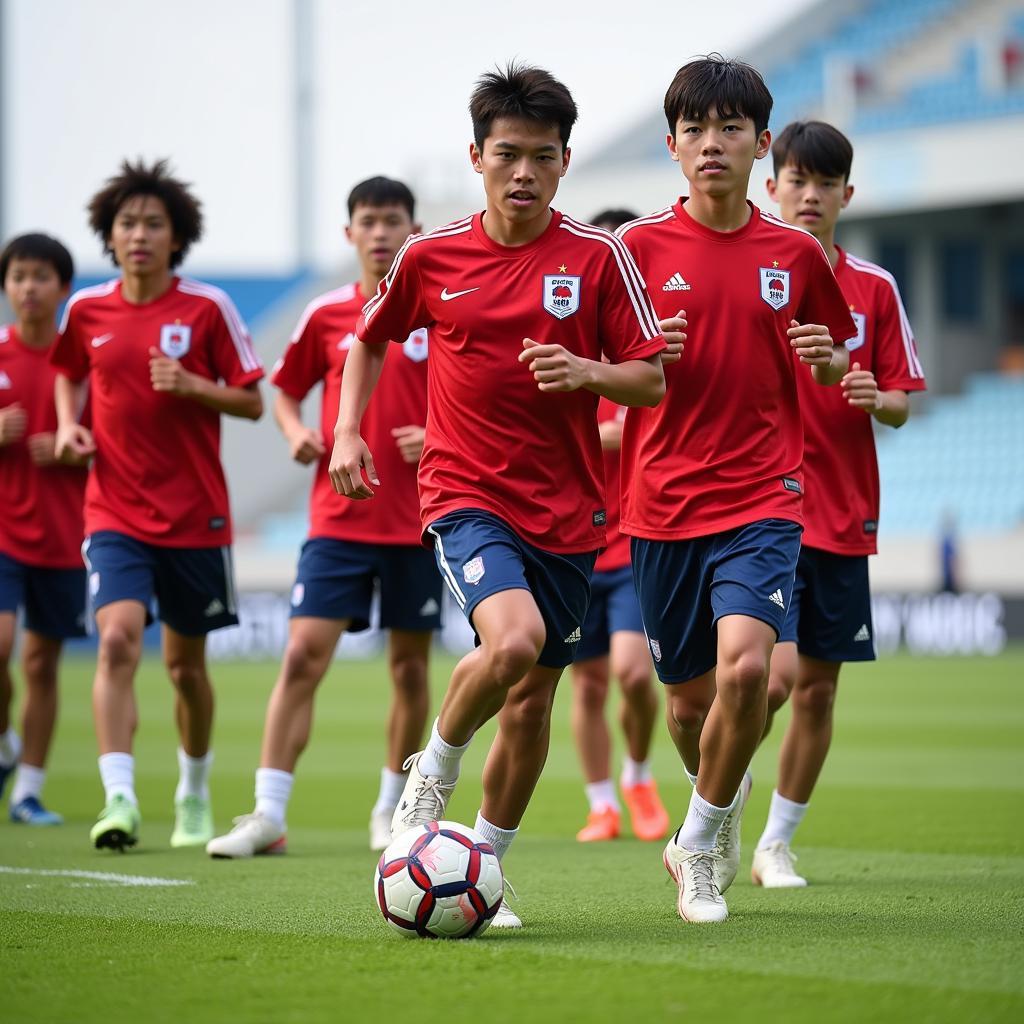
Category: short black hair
[381,191]
[613,218]
[813,147]
[713,82]
[139,179]
[524,92]
[37,246]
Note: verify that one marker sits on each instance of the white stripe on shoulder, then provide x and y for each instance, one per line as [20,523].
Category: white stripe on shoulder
[95,291]
[236,326]
[346,293]
[657,217]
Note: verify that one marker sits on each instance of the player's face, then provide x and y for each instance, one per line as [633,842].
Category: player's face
[716,154]
[143,236]
[378,232]
[521,164]
[811,201]
[34,290]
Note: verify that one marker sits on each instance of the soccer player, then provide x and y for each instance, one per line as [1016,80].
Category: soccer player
[829,616]
[163,356]
[614,627]
[41,569]
[521,302]
[712,483]
[352,546]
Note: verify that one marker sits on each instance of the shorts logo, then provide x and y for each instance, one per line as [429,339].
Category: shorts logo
[298,594]
[655,648]
[862,324]
[175,340]
[575,636]
[561,295]
[94,584]
[215,607]
[430,607]
[862,634]
[415,346]
[777,598]
[473,570]
[774,286]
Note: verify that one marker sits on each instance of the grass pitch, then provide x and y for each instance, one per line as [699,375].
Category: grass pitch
[914,847]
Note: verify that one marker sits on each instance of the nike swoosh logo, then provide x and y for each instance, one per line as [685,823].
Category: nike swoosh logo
[447,296]
[102,339]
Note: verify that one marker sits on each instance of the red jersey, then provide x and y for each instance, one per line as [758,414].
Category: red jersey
[317,352]
[724,447]
[157,474]
[494,441]
[40,506]
[616,555]
[840,466]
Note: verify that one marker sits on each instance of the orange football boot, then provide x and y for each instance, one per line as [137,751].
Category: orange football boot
[647,813]
[601,826]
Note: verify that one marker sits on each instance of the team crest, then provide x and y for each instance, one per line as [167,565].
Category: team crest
[655,648]
[175,340]
[473,570]
[415,346]
[561,295]
[774,286]
[862,322]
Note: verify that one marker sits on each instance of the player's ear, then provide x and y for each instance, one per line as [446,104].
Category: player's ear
[348,234]
[476,158]
[670,141]
[566,154]
[417,229]
[847,196]
[770,186]
[764,144]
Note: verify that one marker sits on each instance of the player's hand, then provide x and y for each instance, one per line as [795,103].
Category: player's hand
[13,420]
[306,446]
[673,331]
[349,458]
[812,343]
[554,368]
[860,389]
[74,445]
[410,442]
[42,449]
[169,376]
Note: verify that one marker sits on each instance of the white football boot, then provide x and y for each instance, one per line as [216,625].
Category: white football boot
[727,842]
[380,830]
[506,917]
[700,901]
[253,834]
[773,867]
[423,800]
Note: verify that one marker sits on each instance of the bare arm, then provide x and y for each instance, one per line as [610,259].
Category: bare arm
[73,443]
[305,443]
[351,456]
[861,390]
[170,377]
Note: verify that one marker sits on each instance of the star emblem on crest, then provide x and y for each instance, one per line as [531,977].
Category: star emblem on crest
[775,263]
[562,269]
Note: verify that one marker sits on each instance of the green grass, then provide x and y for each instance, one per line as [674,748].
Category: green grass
[914,847]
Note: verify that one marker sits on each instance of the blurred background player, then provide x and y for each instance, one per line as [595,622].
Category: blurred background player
[164,357]
[829,617]
[41,570]
[711,477]
[352,546]
[613,643]
[522,302]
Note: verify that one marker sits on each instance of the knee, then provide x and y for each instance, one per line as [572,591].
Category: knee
[742,681]
[779,688]
[409,674]
[687,713]
[119,646]
[302,662]
[590,688]
[512,657]
[187,676]
[635,681]
[815,699]
[40,667]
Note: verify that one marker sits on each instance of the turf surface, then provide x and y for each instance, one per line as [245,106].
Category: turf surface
[914,847]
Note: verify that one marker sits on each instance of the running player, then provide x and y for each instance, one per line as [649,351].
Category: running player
[829,617]
[521,302]
[712,483]
[352,546]
[164,356]
[613,630]
[41,567]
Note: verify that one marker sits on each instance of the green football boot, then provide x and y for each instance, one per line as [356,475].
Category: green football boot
[193,822]
[117,827]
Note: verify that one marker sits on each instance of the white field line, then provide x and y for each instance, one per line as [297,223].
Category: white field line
[98,876]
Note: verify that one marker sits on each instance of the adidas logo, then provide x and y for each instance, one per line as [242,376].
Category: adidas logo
[776,598]
[215,607]
[575,636]
[430,607]
[862,634]
[676,283]
[5,381]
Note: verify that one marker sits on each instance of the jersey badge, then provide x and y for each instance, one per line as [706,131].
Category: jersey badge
[175,339]
[415,346]
[861,320]
[561,295]
[774,286]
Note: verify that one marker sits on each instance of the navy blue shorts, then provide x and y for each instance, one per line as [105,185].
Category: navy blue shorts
[614,608]
[53,599]
[194,588]
[829,617]
[335,579]
[686,586]
[480,555]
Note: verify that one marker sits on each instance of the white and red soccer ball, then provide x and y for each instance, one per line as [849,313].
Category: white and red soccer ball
[439,881]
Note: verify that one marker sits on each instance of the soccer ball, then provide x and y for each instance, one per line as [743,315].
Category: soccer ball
[439,881]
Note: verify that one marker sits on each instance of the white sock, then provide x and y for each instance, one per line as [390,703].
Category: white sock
[635,772]
[28,781]
[391,786]
[692,778]
[703,820]
[10,747]
[441,758]
[193,773]
[117,772]
[783,818]
[602,795]
[273,790]
[499,838]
